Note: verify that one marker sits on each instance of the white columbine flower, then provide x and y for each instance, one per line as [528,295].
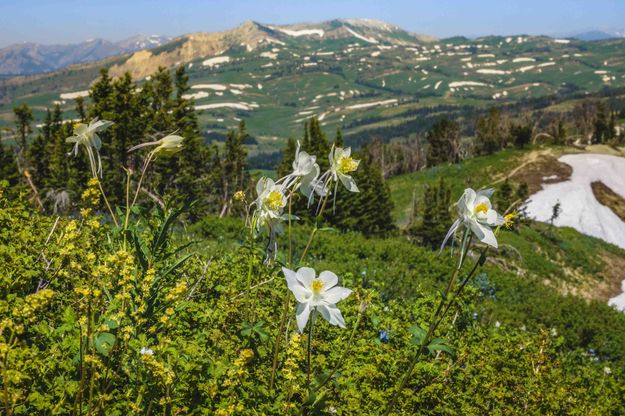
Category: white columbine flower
[87,136]
[316,293]
[270,205]
[270,202]
[168,145]
[341,165]
[475,212]
[306,169]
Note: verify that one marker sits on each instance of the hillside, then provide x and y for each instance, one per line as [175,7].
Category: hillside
[364,76]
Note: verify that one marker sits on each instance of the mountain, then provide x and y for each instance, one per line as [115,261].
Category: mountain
[34,58]
[594,35]
[251,35]
[367,77]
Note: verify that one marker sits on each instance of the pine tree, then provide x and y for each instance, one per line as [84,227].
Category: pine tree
[288,156]
[338,141]
[489,133]
[444,140]
[38,153]
[23,120]
[8,170]
[194,159]
[234,177]
[367,211]
[504,196]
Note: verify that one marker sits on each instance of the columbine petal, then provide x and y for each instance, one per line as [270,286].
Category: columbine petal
[348,182]
[303,312]
[336,294]
[329,280]
[306,275]
[486,235]
[336,318]
[301,293]
[486,192]
[494,218]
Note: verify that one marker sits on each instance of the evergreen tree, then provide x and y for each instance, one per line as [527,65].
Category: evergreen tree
[8,170]
[435,218]
[288,156]
[338,141]
[23,120]
[504,196]
[233,166]
[38,153]
[443,139]
[194,159]
[489,133]
[521,135]
[367,211]
[80,109]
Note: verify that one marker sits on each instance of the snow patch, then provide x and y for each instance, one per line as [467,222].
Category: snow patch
[74,95]
[366,39]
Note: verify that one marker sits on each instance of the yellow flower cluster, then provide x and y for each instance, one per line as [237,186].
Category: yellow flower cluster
[33,303]
[239,370]
[295,354]
[69,237]
[177,292]
[90,197]
[158,369]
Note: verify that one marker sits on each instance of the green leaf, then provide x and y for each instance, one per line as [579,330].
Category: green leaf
[104,342]
[439,344]
[418,335]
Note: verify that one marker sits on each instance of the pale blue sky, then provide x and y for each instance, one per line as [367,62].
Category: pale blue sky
[65,21]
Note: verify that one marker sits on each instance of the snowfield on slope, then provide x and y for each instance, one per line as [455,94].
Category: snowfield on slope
[580,208]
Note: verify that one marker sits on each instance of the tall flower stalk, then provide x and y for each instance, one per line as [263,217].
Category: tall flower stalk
[476,216]
[86,135]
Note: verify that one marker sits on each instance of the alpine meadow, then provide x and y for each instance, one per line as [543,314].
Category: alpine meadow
[342,217]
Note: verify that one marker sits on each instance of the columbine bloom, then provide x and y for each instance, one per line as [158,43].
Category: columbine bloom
[270,202]
[476,213]
[306,169]
[316,293]
[341,165]
[269,211]
[168,145]
[87,136]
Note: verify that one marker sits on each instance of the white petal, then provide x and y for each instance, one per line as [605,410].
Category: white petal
[329,279]
[494,218]
[486,192]
[306,275]
[348,182]
[484,234]
[481,199]
[466,202]
[299,291]
[336,294]
[302,314]
[335,316]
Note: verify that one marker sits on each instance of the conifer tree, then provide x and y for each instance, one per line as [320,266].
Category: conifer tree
[23,120]
[8,170]
[39,152]
[288,156]
[233,166]
[367,211]
[444,140]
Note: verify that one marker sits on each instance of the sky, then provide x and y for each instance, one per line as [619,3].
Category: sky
[71,21]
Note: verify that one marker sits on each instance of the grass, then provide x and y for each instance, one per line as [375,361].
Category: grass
[476,172]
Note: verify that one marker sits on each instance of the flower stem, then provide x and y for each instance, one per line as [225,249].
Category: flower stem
[436,318]
[134,199]
[345,351]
